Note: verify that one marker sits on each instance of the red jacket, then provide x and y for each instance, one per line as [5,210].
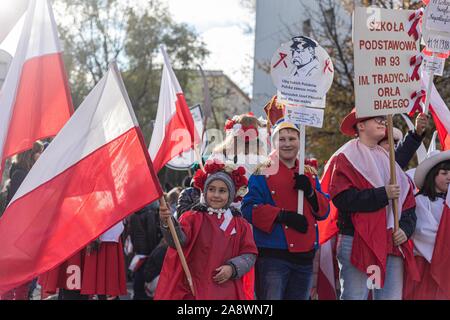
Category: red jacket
[284,196]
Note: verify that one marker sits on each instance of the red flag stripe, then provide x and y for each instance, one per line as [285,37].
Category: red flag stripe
[443,134]
[46,226]
[179,135]
[42,104]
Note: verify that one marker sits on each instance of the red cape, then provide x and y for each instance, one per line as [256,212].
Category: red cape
[372,242]
[208,247]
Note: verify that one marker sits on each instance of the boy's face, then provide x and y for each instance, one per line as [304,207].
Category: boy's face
[288,144]
[374,128]
[217,194]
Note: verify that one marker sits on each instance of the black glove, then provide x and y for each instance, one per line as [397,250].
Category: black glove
[294,220]
[302,183]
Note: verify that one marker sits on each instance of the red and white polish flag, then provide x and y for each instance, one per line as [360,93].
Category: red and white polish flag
[174,131]
[94,173]
[439,112]
[35,100]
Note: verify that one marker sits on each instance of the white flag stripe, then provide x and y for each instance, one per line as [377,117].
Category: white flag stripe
[447,199]
[172,76]
[43,38]
[326,262]
[41,30]
[166,106]
[106,115]
[11,41]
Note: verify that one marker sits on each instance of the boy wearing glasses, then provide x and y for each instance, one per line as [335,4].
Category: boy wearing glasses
[370,254]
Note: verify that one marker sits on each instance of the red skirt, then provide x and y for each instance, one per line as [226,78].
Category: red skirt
[426,288]
[57,278]
[102,272]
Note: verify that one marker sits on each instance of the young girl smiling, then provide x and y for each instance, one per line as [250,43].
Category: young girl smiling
[217,241]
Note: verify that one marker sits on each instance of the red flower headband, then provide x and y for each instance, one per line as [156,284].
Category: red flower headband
[234,125]
[237,175]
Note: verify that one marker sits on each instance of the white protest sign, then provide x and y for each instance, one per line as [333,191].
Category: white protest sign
[438,16]
[303,72]
[434,65]
[305,116]
[436,26]
[383,50]
[187,159]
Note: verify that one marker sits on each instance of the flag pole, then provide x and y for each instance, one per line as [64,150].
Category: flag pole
[179,249]
[390,123]
[199,158]
[301,166]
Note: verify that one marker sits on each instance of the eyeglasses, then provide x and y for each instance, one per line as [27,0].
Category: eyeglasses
[380,120]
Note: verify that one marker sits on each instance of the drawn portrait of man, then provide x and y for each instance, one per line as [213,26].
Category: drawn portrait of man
[303,51]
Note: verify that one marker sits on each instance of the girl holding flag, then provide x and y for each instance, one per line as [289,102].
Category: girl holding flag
[217,241]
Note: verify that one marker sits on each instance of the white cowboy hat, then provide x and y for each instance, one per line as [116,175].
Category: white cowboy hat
[425,166]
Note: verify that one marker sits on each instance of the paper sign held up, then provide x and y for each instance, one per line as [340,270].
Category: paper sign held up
[438,16]
[436,26]
[305,116]
[302,71]
[434,65]
[383,50]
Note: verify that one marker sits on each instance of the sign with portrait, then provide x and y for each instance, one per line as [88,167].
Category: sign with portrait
[303,72]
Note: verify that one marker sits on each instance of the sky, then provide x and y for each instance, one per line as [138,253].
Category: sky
[224,27]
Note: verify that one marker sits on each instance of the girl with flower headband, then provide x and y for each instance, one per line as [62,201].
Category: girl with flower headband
[217,241]
[243,144]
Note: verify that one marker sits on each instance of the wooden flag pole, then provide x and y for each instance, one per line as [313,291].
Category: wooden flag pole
[301,166]
[179,249]
[199,158]
[390,123]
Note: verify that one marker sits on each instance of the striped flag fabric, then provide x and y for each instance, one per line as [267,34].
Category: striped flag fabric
[35,100]
[96,172]
[174,131]
[440,114]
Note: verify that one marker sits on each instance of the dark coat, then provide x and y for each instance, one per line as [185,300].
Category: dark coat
[153,264]
[145,230]
[17,175]
[407,148]
[188,198]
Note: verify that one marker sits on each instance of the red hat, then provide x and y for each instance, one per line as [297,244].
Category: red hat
[348,125]
[274,111]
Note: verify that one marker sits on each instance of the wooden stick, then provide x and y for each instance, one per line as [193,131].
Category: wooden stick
[199,158]
[390,122]
[301,166]
[178,247]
